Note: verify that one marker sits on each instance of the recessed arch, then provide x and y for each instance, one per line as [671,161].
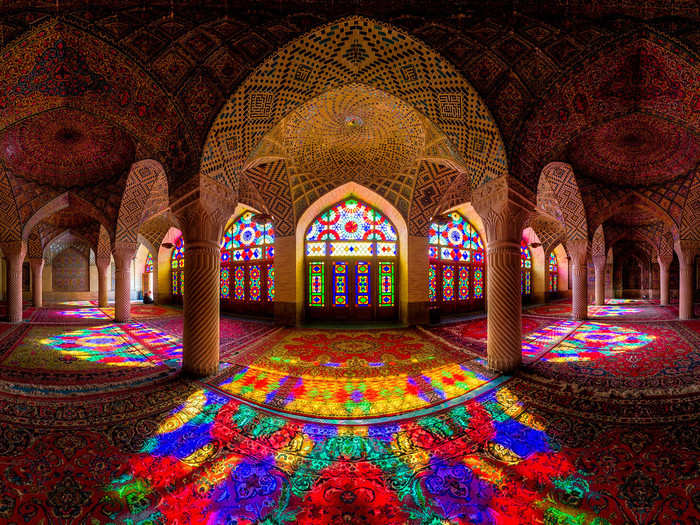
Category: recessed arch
[66,200]
[343,52]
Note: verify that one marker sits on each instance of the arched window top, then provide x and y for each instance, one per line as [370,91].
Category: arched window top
[149,264]
[457,240]
[351,220]
[553,262]
[525,257]
[246,240]
[177,259]
[351,228]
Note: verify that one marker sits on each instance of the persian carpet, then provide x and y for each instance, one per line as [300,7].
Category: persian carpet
[475,329]
[208,458]
[146,311]
[70,315]
[624,357]
[351,373]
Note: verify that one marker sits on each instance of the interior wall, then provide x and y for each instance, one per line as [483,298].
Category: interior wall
[539,269]
[71,271]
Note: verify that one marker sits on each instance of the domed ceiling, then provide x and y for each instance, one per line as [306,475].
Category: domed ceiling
[66,148]
[635,150]
[354,133]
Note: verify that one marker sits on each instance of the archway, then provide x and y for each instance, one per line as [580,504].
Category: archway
[351,264]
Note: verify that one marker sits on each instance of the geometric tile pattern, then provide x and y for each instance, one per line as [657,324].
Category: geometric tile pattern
[558,180]
[352,50]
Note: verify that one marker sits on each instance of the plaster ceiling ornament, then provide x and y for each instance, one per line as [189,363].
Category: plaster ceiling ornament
[354,133]
[635,150]
[66,148]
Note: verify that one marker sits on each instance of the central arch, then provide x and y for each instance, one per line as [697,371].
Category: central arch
[377,202]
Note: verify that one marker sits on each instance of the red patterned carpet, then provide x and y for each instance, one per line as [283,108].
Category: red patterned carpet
[600,428]
[475,329]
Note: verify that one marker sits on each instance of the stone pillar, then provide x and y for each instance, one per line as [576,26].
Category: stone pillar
[37,266]
[686,258]
[578,250]
[103,262]
[287,285]
[599,264]
[14,254]
[203,224]
[503,217]
[664,278]
[414,286]
[123,255]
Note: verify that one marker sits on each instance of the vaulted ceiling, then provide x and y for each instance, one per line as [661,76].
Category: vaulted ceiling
[612,88]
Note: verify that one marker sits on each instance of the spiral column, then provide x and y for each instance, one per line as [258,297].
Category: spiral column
[123,255]
[14,253]
[579,277]
[103,263]
[37,266]
[504,346]
[201,304]
[664,279]
[599,264]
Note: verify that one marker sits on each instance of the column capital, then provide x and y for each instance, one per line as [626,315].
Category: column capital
[103,261]
[503,212]
[36,262]
[686,251]
[578,250]
[123,252]
[665,260]
[14,249]
[599,261]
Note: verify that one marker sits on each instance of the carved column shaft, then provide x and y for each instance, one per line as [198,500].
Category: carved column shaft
[37,265]
[686,251]
[122,283]
[599,264]
[579,278]
[103,264]
[203,224]
[14,253]
[664,279]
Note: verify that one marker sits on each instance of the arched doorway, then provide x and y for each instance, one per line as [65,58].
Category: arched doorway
[247,266]
[177,268]
[351,262]
[147,279]
[552,274]
[525,272]
[456,274]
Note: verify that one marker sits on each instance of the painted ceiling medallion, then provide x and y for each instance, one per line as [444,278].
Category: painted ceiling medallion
[66,148]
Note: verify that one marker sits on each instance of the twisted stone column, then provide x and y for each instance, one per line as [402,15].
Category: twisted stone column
[579,277]
[503,214]
[37,265]
[123,255]
[203,224]
[103,263]
[686,251]
[599,264]
[664,279]
[14,253]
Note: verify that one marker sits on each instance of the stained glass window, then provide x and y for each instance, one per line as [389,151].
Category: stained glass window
[361,230]
[386,284]
[149,264]
[224,277]
[317,288]
[270,283]
[526,269]
[553,268]
[177,267]
[247,252]
[432,283]
[363,284]
[359,246]
[455,275]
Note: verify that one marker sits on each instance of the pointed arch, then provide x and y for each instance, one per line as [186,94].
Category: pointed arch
[558,194]
[344,52]
[65,200]
[145,194]
[690,219]
[10,224]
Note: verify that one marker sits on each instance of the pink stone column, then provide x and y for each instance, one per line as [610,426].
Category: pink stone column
[202,225]
[103,263]
[123,255]
[664,278]
[14,253]
[599,264]
[686,251]
[579,277]
[37,266]
[503,220]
